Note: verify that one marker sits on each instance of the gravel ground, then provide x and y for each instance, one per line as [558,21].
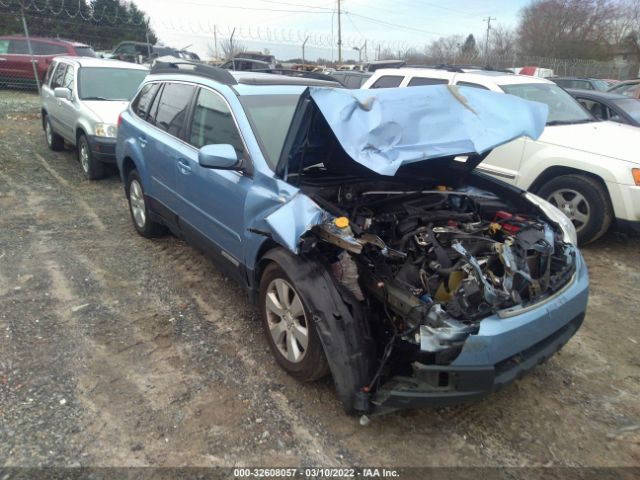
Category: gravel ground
[120,351]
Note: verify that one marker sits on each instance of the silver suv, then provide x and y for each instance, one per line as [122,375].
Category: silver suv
[81,101]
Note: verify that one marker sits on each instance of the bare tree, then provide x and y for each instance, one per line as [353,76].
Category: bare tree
[445,49]
[231,49]
[568,28]
[502,41]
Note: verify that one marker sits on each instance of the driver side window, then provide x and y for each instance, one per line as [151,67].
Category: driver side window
[213,123]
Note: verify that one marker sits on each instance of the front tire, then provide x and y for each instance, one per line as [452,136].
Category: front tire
[93,169]
[139,209]
[584,200]
[54,141]
[289,328]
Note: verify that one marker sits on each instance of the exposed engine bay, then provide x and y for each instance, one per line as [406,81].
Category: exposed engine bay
[430,264]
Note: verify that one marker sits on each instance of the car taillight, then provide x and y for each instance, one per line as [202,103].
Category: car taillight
[119,120]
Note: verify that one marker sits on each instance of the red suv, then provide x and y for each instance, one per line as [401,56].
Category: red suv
[15,62]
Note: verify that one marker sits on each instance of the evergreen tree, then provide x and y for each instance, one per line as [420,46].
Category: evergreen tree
[99,23]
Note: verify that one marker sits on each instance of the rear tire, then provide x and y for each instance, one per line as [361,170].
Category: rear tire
[54,141]
[584,200]
[289,327]
[139,209]
[93,169]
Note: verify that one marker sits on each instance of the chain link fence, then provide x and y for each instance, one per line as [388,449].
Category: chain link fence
[616,70]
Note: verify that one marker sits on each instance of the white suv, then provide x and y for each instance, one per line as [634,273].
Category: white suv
[588,168]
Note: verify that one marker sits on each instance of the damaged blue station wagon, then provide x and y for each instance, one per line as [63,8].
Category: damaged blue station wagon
[356,221]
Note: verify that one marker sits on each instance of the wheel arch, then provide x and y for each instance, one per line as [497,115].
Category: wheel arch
[340,322]
[557,170]
[128,165]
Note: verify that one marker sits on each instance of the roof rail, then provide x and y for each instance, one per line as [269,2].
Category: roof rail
[461,68]
[297,73]
[182,66]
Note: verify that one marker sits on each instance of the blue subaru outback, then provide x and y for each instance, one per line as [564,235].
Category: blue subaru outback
[357,223]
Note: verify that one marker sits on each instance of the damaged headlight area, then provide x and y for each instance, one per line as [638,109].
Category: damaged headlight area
[429,265]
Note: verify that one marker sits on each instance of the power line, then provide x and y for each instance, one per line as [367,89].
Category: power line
[390,24]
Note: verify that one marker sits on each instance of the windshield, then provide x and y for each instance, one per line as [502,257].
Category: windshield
[109,83]
[270,117]
[563,108]
[630,106]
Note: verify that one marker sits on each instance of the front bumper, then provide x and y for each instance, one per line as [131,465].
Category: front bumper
[503,350]
[103,149]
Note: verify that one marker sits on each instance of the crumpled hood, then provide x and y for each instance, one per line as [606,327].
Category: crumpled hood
[385,129]
[107,111]
[608,139]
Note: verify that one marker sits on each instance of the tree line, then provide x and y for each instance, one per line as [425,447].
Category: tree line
[570,29]
[99,23]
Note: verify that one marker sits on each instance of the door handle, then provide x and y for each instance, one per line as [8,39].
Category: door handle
[143,141]
[3,59]
[184,167]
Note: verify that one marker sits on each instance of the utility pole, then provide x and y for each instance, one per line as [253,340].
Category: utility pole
[486,43]
[339,34]
[232,52]
[215,41]
[303,44]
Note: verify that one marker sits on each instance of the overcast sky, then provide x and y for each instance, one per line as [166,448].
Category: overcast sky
[282,25]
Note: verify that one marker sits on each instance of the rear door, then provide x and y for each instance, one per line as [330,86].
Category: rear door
[164,144]
[18,62]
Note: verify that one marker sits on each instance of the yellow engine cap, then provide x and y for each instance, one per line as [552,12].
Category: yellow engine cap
[342,222]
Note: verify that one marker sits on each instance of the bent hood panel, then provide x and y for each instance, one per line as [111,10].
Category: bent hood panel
[385,129]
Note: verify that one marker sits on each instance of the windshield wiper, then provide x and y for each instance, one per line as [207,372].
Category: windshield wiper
[94,98]
[570,122]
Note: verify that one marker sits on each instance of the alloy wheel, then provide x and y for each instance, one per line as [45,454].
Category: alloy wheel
[84,157]
[287,320]
[573,204]
[136,197]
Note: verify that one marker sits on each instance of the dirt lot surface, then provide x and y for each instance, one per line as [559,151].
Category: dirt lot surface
[116,350]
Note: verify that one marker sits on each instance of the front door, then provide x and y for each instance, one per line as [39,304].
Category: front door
[213,201]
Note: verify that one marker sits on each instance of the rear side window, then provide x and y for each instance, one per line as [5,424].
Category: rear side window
[419,81]
[48,49]
[141,103]
[213,123]
[172,108]
[388,81]
[4,46]
[58,75]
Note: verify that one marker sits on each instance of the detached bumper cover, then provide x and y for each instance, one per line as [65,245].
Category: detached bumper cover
[503,350]
[103,149]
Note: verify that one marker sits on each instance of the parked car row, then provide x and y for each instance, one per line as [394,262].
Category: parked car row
[373,246]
